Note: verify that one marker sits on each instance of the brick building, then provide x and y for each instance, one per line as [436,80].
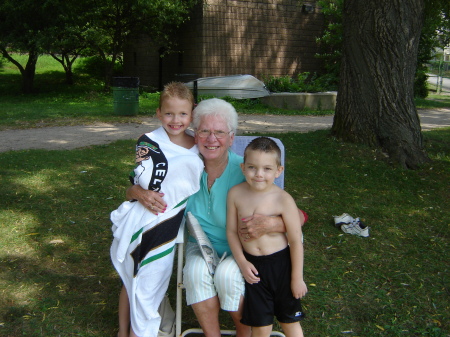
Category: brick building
[229,37]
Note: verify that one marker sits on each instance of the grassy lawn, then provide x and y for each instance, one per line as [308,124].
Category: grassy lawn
[56,277]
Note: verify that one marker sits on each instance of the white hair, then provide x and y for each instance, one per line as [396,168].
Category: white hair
[216,107]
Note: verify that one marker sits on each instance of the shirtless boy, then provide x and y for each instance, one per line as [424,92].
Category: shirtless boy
[272,265]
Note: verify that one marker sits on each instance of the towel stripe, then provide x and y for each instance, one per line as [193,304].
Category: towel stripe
[157,236]
[136,235]
[182,202]
[157,256]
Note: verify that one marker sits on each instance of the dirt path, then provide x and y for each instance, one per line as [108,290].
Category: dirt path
[71,137]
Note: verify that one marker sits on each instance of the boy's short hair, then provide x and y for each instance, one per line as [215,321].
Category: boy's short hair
[178,90]
[264,144]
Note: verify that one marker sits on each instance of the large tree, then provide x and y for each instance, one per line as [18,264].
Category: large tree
[65,40]
[66,28]
[375,103]
[23,24]
[113,22]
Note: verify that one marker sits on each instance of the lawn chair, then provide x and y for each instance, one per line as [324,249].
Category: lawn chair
[239,144]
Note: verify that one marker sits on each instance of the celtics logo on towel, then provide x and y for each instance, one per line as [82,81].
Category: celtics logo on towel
[146,149]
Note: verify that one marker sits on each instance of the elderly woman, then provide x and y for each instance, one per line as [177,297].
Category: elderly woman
[215,123]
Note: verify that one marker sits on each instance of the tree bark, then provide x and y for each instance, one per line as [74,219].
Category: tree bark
[67,62]
[375,103]
[27,72]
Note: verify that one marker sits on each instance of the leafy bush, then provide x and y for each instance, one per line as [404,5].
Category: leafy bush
[330,43]
[95,66]
[304,82]
[279,84]
[246,105]
[421,82]
[327,82]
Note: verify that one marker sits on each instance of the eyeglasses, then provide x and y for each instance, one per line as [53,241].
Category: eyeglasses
[219,134]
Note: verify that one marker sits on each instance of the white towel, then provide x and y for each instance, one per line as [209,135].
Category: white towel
[143,246]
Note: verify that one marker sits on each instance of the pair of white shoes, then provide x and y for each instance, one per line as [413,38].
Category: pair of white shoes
[350,225]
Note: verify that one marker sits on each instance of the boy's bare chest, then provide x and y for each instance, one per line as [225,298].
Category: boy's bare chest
[264,205]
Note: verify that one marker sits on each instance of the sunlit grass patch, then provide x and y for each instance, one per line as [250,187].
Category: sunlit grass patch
[56,277]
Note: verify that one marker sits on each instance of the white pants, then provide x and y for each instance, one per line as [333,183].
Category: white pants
[227,282]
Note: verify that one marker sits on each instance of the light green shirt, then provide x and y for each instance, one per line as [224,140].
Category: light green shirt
[210,207]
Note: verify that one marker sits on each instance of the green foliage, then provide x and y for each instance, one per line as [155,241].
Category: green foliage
[113,24]
[436,27]
[330,43]
[71,28]
[280,84]
[23,26]
[95,66]
[303,82]
[36,27]
[245,105]
[435,33]
[421,82]
[57,278]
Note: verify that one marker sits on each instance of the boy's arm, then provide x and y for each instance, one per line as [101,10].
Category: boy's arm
[294,234]
[247,269]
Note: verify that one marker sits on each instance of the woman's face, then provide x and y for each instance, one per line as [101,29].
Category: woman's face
[211,147]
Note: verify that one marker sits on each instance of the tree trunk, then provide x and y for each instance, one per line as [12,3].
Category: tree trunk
[69,76]
[375,103]
[29,72]
[66,62]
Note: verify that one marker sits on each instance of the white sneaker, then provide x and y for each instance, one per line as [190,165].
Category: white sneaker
[356,227]
[342,219]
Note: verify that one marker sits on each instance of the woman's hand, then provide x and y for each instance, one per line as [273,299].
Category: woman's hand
[151,200]
[256,225]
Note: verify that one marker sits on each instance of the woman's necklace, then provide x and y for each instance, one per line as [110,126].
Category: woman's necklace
[214,175]
[210,183]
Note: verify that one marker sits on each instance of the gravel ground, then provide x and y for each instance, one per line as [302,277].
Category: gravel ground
[71,137]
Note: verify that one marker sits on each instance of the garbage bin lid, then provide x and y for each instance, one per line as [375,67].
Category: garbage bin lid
[126,82]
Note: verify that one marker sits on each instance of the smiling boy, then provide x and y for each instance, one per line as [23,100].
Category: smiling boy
[272,265]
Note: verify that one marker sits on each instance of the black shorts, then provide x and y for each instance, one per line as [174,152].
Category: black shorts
[272,295]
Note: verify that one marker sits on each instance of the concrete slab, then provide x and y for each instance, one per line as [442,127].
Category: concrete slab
[302,100]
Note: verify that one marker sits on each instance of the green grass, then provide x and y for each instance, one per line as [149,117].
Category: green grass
[56,278]
[56,103]
[67,108]
[434,101]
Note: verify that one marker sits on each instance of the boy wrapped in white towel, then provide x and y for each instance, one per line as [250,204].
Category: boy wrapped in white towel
[167,162]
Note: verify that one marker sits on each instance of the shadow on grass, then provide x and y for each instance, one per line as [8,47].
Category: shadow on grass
[57,279]
[49,83]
